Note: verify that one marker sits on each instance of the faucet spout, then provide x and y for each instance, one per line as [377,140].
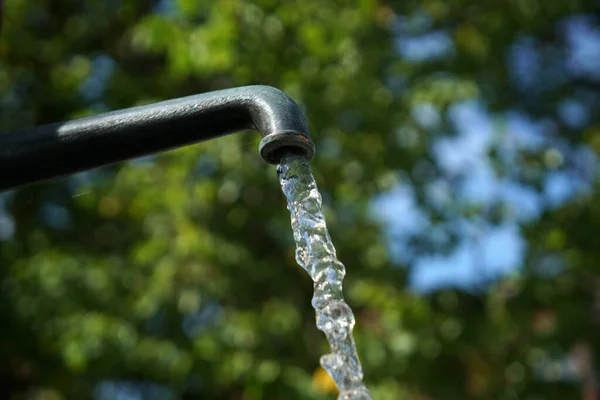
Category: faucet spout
[54,150]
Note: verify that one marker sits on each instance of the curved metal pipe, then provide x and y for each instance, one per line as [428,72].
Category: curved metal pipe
[63,148]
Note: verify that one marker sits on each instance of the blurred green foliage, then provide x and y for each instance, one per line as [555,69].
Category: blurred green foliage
[179,269]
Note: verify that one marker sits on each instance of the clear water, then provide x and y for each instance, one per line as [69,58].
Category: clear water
[316,254]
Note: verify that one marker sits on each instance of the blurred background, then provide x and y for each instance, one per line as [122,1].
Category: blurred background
[457,155]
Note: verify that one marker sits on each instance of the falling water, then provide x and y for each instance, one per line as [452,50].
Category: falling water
[316,254]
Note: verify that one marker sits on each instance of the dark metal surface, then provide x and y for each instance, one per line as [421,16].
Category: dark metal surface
[59,149]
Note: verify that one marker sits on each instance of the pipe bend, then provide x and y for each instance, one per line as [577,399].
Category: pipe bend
[280,122]
[272,113]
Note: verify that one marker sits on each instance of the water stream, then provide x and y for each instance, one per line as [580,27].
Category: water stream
[316,254]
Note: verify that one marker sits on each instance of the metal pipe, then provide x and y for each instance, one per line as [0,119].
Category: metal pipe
[64,148]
